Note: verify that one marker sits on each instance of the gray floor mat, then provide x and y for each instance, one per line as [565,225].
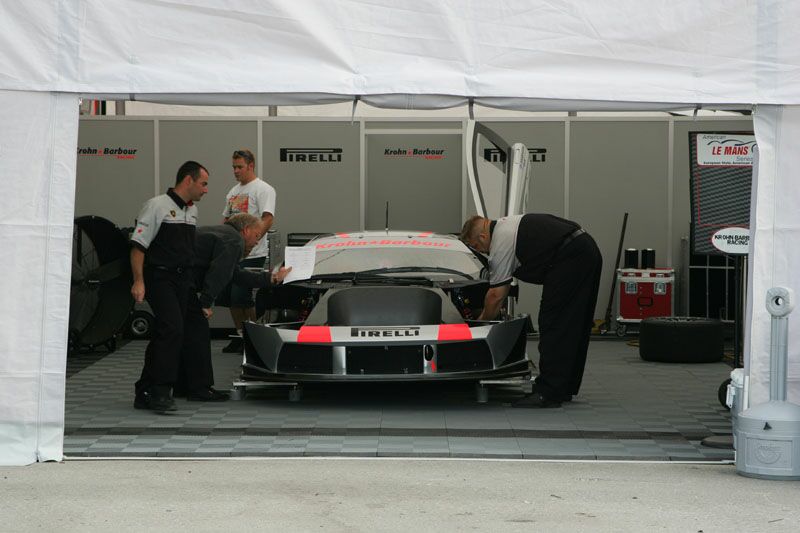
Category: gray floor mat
[628,409]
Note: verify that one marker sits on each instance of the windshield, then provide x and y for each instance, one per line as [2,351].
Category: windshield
[431,262]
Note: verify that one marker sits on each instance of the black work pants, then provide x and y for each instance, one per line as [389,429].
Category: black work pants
[196,373]
[167,293]
[566,316]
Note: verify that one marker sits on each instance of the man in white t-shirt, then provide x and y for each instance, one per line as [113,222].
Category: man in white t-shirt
[256,197]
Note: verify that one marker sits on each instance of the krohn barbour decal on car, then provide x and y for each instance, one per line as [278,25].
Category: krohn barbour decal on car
[311,155]
[382,242]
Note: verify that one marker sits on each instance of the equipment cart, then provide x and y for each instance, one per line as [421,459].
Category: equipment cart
[643,293]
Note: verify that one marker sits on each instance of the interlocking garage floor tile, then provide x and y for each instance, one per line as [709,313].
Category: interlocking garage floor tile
[505,448]
[546,448]
[485,418]
[396,446]
[627,409]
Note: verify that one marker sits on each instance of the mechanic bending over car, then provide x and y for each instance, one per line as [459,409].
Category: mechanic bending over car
[256,197]
[557,254]
[218,250]
[162,252]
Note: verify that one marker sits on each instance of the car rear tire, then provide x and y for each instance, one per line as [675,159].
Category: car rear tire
[681,340]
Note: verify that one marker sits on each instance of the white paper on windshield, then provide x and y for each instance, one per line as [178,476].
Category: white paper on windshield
[301,259]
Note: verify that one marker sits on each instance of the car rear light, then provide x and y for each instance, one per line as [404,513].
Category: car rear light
[314,334]
[454,332]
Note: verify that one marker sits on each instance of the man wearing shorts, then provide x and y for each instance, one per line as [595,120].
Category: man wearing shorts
[256,197]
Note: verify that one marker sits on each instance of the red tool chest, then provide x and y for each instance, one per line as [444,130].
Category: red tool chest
[643,293]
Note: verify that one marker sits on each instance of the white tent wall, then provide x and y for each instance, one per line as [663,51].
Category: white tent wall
[37,178]
[627,55]
[775,246]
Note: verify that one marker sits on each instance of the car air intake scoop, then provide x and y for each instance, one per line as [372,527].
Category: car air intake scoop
[384,306]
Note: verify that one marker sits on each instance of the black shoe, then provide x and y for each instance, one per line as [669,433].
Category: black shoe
[235,346]
[178,392]
[535,390]
[162,404]
[536,400]
[208,395]
[141,400]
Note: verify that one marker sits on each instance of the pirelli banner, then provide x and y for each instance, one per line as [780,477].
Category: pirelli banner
[721,174]
[315,169]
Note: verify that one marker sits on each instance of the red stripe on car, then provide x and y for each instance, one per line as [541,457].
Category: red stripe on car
[454,332]
[314,334]
[343,235]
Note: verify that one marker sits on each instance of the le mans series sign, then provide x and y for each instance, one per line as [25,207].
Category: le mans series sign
[715,150]
[721,174]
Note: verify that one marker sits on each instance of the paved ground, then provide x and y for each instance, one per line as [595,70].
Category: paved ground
[628,409]
[318,494]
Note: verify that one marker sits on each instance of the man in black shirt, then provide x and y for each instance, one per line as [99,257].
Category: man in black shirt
[218,252]
[557,254]
[162,251]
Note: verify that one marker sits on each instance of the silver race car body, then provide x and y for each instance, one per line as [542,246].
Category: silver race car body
[406,313]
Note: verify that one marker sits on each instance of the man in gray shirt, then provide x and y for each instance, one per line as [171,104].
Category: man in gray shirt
[557,254]
[218,250]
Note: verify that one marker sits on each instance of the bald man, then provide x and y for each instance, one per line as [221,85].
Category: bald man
[559,255]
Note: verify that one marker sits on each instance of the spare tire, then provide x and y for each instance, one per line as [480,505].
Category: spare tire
[681,340]
[100,293]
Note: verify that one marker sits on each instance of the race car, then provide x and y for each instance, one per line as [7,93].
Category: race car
[401,305]
[387,306]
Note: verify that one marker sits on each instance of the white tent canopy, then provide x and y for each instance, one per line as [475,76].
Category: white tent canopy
[524,54]
[743,51]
